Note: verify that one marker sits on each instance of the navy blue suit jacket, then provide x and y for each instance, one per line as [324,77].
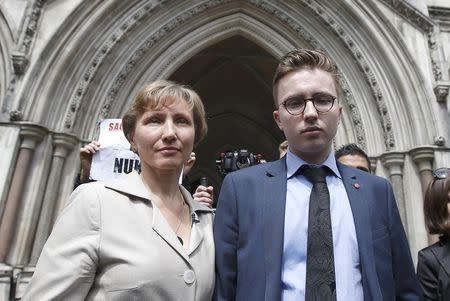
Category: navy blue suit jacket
[249,231]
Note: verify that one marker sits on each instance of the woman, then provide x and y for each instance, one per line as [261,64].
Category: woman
[139,237]
[433,268]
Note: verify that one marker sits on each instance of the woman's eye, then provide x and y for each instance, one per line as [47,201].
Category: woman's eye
[153,120]
[183,121]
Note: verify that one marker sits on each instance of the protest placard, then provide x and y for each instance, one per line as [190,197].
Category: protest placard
[115,156]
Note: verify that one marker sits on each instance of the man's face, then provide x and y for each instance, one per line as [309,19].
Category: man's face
[309,134]
[355,161]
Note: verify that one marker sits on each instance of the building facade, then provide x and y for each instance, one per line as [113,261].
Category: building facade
[67,64]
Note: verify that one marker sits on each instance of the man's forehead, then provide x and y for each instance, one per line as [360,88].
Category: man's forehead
[354,160]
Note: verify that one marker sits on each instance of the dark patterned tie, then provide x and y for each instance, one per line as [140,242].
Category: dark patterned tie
[320,276]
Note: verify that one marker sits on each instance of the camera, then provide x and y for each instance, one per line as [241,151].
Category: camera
[237,159]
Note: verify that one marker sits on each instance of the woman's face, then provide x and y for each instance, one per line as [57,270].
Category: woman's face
[164,138]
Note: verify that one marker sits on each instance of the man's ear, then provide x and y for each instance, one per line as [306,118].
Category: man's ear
[276,117]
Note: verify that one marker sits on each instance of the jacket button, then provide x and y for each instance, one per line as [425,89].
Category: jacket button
[189,276]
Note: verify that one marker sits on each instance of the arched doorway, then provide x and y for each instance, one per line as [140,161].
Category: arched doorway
[234,79]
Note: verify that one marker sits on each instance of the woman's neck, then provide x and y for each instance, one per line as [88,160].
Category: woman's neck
[163,187]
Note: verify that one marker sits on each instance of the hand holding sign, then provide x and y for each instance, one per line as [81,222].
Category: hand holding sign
[86,153]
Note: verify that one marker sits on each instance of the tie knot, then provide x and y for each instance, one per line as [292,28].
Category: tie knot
[315,174]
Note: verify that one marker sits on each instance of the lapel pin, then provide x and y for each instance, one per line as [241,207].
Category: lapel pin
[356,185]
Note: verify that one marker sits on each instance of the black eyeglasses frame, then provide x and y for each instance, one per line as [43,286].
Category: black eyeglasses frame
[311,99]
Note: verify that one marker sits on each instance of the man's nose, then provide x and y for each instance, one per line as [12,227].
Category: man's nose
[310,111]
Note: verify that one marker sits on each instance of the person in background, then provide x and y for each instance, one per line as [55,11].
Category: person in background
[140,236]
[306,227]
[352,155]
[433,268]
[348,154]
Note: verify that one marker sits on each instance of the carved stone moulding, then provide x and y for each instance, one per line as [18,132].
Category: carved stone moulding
[442,14]
[394,162]
[410,13]
[439,141]
[20,62]
[16,115]
[441,90]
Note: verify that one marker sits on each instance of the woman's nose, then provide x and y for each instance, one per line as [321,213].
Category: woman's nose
[169,130]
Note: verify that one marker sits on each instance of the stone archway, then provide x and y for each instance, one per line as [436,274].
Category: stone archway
[103,51]
[233,77]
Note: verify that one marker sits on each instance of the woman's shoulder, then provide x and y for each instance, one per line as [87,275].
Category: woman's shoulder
[435,249]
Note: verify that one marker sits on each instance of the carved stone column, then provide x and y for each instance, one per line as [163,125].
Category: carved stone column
[423,158]
[6,279]
[31,134]
[373,164]
[62,145]
[394,161]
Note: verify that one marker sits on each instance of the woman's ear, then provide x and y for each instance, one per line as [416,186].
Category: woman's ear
[133,145]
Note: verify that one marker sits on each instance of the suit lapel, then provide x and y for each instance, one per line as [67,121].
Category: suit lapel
[197,231]
[358,198]
[274,211]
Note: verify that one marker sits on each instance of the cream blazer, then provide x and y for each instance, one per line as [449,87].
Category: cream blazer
[111,244]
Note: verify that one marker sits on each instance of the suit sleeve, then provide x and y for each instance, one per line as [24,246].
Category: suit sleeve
[226,231]
[427,274]
[67,265]
[406,284]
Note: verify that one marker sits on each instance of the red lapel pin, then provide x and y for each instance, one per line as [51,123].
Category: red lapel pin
[356,185]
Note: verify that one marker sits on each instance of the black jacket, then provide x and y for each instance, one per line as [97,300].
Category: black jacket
[433,270]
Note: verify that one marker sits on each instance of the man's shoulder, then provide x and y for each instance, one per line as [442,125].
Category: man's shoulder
[350,172]
[260,170]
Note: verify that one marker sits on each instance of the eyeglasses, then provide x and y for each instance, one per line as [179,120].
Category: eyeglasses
[321,102]
[441,173]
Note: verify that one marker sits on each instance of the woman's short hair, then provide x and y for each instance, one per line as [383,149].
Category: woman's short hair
[435,206]
[159,94]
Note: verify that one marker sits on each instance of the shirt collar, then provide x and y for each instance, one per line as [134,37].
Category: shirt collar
[132,185]
[293,163]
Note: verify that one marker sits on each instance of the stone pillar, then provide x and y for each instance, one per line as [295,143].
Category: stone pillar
[6,281]
[423,158]
[394,161]
[373,165]
[31,134]
[62,145]
[22,279]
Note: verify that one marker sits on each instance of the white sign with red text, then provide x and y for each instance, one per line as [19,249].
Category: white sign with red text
[115,156]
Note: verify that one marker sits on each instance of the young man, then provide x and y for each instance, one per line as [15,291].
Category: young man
[353,156]
[306,227]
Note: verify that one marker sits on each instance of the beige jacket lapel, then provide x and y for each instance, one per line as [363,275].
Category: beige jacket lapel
[133,186]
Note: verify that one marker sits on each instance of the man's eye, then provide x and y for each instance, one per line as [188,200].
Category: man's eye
[323,100]
[295,103]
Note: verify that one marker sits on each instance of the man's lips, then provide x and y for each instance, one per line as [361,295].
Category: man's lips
[311,129]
